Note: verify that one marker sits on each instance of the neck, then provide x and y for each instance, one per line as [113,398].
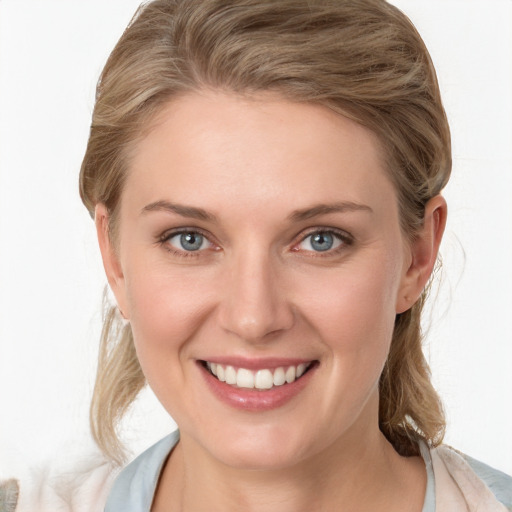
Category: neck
[360,471]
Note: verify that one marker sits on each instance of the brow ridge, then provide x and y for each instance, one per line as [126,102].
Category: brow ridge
[325,209]
[179,209]
[296,216]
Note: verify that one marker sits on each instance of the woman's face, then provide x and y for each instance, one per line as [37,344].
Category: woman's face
[260,239]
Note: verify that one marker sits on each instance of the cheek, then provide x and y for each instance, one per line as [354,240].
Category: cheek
[353,311]
[355,306]
[165,310]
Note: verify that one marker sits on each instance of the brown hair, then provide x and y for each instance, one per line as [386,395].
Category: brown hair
[361,58]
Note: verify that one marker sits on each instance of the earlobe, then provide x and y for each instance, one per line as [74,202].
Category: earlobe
[423,252]
[111,263]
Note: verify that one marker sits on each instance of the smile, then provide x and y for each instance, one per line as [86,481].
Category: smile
[262,379]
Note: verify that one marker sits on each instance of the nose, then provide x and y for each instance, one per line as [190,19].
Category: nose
[255,305]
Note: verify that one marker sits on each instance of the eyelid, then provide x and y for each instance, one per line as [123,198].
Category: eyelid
[164,238]
[346,238]
[169,233]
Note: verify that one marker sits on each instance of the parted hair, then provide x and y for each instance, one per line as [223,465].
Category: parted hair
[361,58]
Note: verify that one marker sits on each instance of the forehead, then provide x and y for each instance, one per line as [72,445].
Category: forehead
[212,147]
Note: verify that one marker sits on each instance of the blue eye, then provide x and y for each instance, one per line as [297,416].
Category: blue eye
[321,241]
[189,241]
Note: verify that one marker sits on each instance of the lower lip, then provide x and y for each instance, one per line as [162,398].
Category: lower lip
[253,399]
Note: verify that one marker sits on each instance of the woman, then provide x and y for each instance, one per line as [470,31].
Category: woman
[265,179]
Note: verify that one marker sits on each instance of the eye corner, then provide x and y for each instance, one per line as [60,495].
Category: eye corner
[336,240]
[187,242]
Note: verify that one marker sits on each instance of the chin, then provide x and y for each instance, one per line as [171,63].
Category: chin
[262,448]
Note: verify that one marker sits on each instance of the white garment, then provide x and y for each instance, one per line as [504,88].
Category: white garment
[84,488]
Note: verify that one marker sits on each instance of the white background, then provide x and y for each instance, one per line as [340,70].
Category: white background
[51,280]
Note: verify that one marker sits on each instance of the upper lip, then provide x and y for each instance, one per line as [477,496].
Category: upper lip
[257,363]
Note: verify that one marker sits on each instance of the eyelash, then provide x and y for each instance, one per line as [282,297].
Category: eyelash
[164,239]
[345,239]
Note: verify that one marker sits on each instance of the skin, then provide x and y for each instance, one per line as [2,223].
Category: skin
[257,288]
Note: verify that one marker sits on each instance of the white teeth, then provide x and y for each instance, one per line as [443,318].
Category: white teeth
[279,377]
[230,375]
[260,379]
[264,379]
[300,370]
[244,378]
[290,374]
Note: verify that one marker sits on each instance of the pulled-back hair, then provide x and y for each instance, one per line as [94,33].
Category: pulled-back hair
[361,58]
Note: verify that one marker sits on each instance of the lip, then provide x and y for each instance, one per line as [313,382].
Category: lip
[252,399]
[270,363]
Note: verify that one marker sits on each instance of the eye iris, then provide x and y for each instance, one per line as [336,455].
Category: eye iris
[191,241]
[322,241]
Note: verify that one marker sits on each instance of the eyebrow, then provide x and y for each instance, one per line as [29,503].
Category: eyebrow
[180,209]
[324,209]
[296,216]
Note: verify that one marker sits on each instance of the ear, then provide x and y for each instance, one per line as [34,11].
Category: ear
[110,258]
[423,254]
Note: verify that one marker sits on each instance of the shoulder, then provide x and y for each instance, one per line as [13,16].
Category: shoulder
[497,481]
[78,485]
[135,486]
[477,481]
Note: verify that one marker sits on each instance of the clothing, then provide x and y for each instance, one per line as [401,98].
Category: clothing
[455,483]
[80,484]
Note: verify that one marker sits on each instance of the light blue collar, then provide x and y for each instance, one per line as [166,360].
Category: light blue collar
[135,487]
